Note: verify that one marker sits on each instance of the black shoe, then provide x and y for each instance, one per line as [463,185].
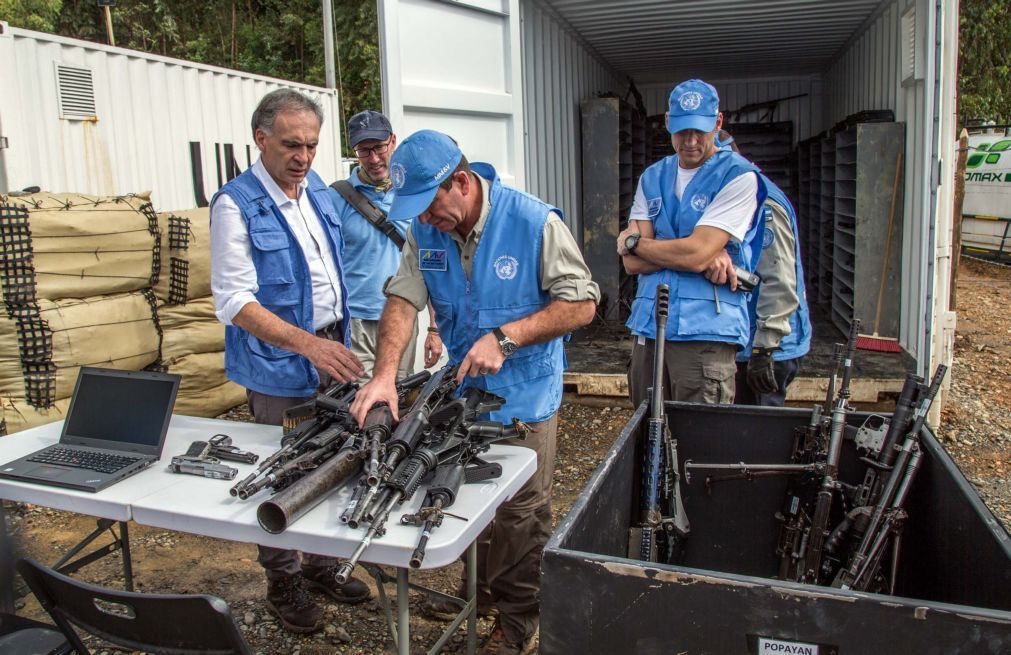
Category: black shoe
[288,601]
[445,609]
[324,580]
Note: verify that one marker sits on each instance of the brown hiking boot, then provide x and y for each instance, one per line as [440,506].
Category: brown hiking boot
[498,644]
[324,580]
[445,609]
[289,602]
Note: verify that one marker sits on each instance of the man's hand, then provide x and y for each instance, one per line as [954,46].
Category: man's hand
[377,390]
[484,358]
[760,374]
[721,271]
[433,349]
[631,229]
[333,358]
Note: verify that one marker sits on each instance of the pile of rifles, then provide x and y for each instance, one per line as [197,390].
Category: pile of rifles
[835,533]
[436,443]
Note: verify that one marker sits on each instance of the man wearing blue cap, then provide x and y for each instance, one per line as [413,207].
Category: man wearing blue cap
[372,241]
[277,280]
[688,209]
[780,320]
[502,308]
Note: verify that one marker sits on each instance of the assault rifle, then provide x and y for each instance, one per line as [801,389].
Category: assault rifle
[321,451]
[887,517]
[447,441]
[662,520]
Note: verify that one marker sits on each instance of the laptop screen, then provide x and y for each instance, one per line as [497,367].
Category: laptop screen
[129,410]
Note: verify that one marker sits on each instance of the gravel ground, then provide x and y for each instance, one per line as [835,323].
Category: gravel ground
[976,430]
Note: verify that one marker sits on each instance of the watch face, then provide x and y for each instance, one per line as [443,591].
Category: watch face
[508,346]
[631,241]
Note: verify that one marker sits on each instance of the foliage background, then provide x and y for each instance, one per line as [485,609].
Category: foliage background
[284,39]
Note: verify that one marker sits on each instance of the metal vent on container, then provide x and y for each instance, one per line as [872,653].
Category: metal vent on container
[76,92]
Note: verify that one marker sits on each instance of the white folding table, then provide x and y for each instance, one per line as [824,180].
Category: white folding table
[197,505]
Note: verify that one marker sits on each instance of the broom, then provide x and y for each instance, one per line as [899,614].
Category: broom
[876,341]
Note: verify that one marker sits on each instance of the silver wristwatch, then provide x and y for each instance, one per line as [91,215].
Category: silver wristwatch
[507,345]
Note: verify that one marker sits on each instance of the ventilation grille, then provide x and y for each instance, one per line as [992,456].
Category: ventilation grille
[76,91]
[912,56]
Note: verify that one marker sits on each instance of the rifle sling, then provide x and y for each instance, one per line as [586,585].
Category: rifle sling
[375,216]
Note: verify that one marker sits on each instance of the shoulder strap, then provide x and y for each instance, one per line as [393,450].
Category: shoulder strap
[370,212]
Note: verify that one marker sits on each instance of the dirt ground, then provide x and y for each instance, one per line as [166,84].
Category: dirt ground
[976,430]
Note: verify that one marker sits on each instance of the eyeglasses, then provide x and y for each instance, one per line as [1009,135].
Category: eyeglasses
[365,153]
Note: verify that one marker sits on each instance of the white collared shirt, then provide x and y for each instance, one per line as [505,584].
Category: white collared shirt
[233,276]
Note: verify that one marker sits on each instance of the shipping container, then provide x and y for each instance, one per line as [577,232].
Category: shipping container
[82,117]
[506,78]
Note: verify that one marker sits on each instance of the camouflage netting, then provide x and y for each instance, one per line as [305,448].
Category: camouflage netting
[185,256]
[55,338]
[190,329]
[68,245]
[204,390]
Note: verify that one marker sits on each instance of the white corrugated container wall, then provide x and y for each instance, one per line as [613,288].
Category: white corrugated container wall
[148,110]
[869,74]
[560,70]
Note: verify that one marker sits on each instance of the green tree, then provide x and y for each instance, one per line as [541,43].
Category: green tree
[38,15]
[984,62]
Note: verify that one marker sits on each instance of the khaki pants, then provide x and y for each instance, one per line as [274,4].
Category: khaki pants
[365,342]
[509,550]
[694,371]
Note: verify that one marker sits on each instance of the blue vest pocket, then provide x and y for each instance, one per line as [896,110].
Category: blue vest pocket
[697,309]
[271,257]
[499,316]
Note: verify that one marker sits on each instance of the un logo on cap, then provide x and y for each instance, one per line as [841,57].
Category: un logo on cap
[398,175]
[690,101]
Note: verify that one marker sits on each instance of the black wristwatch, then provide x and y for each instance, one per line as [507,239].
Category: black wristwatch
[631,241]
[507,345]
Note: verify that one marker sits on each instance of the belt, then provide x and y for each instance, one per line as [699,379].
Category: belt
[334,331]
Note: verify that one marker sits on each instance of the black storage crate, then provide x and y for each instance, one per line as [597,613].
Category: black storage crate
[953,590]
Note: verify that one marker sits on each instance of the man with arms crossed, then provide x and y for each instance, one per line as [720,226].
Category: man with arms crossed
[507,282]
[277,285]
[688,209]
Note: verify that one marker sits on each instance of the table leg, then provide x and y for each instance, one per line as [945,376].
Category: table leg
[124,538]
[472,597]
[403,614]
[7,557]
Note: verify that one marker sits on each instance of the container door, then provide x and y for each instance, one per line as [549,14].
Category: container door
[455,67]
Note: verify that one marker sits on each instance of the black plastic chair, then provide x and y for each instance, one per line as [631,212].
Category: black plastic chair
[172,624]
[27,637]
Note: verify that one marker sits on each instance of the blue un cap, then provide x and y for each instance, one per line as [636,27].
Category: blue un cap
[418,166]
[693,105]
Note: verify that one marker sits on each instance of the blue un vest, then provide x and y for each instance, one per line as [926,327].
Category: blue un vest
[369,255]
[285,288]
[798,342]
[505,285]
[693,314]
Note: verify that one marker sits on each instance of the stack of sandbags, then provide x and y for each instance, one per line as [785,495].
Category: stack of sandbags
[194,339]
[193,346]
[76,274]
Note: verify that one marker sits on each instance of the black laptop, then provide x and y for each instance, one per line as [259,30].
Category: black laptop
[115,427]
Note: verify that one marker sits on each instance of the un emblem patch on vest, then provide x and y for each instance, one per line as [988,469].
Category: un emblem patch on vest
[768,238]
[653,206]
[699,202]
[432,259]
[506,267]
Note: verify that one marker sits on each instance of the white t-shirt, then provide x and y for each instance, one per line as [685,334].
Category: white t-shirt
[731,210]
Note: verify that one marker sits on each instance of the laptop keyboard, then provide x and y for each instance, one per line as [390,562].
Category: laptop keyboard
[84,459]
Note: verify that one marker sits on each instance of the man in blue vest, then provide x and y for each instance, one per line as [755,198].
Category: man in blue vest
[372,241]
[277,283]
[780,321]
[502,309]
[688,209]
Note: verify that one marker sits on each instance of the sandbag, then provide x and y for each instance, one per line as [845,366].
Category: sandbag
[185,255]
[204,390]
[190,329]
[17,415]
[68,245]
[56,337]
